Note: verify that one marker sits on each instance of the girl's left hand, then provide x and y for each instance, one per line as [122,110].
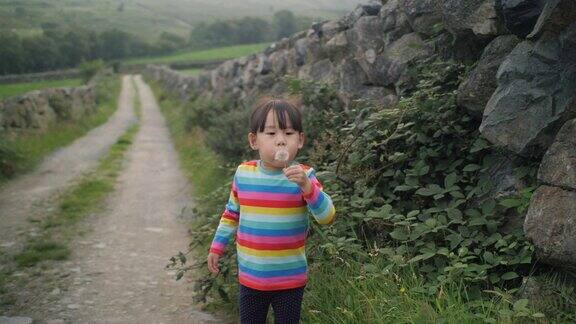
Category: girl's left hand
[296,174]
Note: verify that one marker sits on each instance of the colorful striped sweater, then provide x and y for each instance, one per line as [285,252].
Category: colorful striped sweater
[269,214]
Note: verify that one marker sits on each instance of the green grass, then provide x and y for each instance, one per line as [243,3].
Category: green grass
[200,164]
[220,53]
[24,152]
[191,71]
[14,89]
[42,250]
[349,293]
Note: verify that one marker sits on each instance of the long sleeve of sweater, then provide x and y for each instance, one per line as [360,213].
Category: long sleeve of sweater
[319,203]
[228,222]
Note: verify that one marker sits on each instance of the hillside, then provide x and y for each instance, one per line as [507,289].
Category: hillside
[149,18]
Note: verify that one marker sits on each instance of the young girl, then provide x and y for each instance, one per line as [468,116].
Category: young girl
[268,208]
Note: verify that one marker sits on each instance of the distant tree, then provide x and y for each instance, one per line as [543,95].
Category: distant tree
[114,44]
[169,42]
[120,7]
[41,54]
[252,30]
[11,54]
[49,25]
[304,22]
[75,46]
[284,23]
[90,68]
[20,12]
[229,32]
[214,34]
[139,47]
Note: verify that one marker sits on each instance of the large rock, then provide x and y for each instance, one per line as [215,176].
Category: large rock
[391,67]
[361,10]
[424,16]
[388,66]
[520,16]
[249,72]
[264,82]
[366,35]
[279,62]
[321,71]
[558,167]
[351,76]
[381,96]
[264,65]
[476,16]
[474,92]
[330,28]
[15,320]
[551,225]
[556,15]
[337,47]
[394,22]
[535,94]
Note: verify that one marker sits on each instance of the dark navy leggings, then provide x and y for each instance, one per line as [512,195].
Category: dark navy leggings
[254,305]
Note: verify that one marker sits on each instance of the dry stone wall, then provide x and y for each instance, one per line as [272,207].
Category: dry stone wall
[522,87]
[36,110]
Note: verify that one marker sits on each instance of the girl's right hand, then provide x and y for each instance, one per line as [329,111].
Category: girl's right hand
[213,262]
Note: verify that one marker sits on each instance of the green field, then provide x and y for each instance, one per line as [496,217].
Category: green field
[150,18]
[220,53]
[191,71]
[14,89]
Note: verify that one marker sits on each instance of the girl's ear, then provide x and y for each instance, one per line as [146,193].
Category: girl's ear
[252,141]
[301,140]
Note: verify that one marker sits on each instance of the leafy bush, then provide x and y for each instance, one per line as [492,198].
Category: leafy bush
[413,183]
[229,136]
[225,126]
[61,106]
[9,159]
[90,68]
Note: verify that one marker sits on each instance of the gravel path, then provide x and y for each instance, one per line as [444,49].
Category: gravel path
[30,195]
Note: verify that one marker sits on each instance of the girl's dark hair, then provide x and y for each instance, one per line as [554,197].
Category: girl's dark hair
[282,108]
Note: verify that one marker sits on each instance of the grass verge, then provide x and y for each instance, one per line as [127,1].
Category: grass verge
[14,89]
[201,165]
[24,152]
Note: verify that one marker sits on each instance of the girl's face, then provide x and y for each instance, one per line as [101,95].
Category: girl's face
[273,139]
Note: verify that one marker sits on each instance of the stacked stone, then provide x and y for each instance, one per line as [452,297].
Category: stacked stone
[521,89]
[38,109]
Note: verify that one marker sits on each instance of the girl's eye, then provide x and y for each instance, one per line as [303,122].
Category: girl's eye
[270,133]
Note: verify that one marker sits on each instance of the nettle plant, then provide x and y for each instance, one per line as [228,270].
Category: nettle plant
[411,183]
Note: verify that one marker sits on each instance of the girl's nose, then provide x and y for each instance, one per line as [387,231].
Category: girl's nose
[280,138]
